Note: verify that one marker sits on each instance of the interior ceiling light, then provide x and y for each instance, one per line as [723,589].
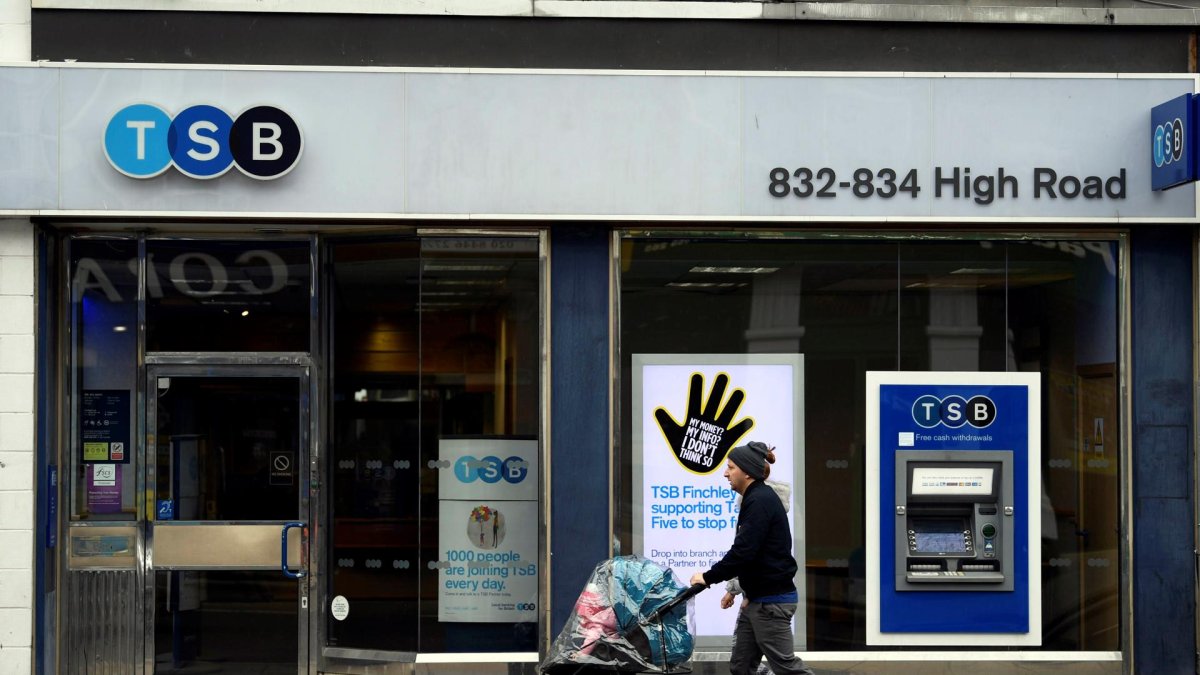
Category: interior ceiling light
[990,270]
[463,282]
[734,270]
[948,285]
[705,284]
[451,267]
[119,329]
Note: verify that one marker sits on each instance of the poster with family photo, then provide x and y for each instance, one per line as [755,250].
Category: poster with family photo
[488,529]
[489,561]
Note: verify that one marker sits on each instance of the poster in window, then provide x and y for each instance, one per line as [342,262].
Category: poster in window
[488,553]
[488,523]
[689,411]
[104,426]
[104,488]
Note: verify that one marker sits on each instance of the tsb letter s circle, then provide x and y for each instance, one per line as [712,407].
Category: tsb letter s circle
[198,141]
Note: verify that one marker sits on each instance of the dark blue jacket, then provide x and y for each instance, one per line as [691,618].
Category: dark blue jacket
[761,555]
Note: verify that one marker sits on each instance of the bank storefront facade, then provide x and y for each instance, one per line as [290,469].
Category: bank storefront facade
[351,370]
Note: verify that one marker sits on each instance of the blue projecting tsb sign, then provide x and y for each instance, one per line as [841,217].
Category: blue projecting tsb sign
[1172,148]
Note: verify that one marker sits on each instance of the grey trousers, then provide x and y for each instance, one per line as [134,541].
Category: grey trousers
[765,630]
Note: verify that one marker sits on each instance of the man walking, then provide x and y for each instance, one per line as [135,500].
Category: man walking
[761,558]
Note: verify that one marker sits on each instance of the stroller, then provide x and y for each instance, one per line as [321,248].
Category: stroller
[633,617]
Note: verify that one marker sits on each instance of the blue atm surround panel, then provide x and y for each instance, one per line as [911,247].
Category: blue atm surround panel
[933,421]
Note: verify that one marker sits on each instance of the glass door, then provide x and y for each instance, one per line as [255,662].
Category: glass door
[432,497]
[227,547]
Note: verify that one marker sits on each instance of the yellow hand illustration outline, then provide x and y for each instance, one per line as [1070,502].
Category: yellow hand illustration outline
[702,450]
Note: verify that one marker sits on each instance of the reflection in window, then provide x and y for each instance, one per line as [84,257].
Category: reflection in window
[851,307]
[436,370]
[227,296]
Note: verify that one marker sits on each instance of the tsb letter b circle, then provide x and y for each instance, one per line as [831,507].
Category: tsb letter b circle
[266,142]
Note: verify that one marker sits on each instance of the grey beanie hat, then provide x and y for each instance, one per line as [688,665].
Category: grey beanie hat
[751,458]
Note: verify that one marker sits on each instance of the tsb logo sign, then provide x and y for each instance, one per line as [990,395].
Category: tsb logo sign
[953,411]
[142,141]
[1168,142]
[491,469]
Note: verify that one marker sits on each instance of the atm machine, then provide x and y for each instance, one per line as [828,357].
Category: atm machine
[953,506]
[951,531]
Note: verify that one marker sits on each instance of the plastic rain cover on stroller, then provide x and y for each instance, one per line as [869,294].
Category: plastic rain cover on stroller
[609,627]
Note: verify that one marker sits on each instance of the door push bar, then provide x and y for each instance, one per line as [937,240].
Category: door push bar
[283,555]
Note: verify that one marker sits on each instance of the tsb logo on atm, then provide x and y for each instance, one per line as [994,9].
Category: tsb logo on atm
[953,411]
[202,141]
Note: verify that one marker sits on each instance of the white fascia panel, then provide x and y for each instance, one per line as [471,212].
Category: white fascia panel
[415,7]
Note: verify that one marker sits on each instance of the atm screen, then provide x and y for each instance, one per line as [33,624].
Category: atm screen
[952,480]
[940,535]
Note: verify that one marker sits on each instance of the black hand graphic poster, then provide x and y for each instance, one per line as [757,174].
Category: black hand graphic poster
[689,412]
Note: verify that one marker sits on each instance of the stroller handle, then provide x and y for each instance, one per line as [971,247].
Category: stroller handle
[657,615]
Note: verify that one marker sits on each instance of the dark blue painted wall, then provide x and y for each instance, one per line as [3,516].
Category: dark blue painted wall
[44,568]
[1164,610]
[579,464]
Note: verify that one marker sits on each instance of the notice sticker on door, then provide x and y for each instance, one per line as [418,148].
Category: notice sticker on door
[104,474]
[95,452]
[104,416]
[340,608]
[104,488]
[281,468]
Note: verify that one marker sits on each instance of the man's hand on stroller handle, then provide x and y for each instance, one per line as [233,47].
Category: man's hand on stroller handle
[698,579]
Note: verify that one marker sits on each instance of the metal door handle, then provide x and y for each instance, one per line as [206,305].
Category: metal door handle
[283,555]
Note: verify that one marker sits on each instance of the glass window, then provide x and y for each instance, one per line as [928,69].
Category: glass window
[217,621]
[435,443]
[219,443]
[105,326]
[854,306]
[228,296]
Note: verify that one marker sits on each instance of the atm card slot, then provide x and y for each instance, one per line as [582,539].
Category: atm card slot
[933,572]
[985,566]
[953,577]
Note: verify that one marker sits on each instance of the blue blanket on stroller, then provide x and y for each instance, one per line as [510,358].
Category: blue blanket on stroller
[605,628]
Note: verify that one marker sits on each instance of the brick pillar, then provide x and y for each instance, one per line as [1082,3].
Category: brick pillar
[17,468]
[15,30]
